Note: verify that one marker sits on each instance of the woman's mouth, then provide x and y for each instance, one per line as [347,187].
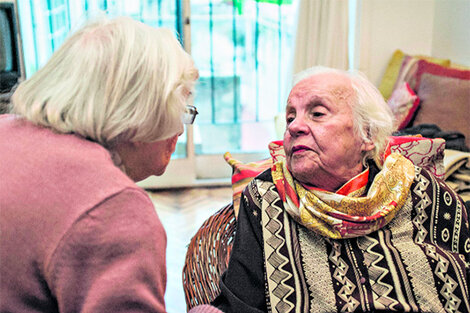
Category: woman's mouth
[299,148]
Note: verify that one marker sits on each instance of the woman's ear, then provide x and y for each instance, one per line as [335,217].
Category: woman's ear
[367,145]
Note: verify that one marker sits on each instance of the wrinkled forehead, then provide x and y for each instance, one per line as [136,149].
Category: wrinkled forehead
[335,86]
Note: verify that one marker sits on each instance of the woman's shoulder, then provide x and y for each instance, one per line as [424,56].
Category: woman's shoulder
[266,175]
[261,181]
[425,180]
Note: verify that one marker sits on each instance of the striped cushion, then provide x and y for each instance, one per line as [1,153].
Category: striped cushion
[242,174]
[402,67]
[403,102]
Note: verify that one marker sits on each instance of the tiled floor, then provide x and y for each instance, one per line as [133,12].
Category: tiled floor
[182,212]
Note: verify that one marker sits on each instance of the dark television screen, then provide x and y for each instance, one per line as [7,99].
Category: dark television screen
[10,70]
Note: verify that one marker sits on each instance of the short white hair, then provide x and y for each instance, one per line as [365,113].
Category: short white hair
[373,119]
[112,80]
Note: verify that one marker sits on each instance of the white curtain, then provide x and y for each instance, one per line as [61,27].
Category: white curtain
[322,34]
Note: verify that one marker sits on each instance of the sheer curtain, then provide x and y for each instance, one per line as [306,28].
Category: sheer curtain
[322,39]
[322,34]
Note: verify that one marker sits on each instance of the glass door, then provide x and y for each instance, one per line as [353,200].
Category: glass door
[243,50]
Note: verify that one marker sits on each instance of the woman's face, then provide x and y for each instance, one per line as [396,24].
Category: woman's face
[322,148]
[157,155]
[142,159]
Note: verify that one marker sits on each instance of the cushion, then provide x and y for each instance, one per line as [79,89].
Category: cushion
[243,174]
[409,68]
[445,98]
[459,66]
[391,73]
[403,102]
[402,67]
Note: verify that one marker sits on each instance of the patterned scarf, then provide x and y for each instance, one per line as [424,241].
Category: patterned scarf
[347,216]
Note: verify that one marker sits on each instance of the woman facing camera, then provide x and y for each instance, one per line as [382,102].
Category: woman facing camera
[78,235]
[336,225]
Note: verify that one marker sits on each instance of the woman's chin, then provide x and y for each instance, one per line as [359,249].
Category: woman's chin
[160,171]
[303,174]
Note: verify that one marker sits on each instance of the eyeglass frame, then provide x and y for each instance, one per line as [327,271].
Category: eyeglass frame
[189,114]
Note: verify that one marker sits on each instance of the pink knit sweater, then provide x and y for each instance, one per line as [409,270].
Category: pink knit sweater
[77,235]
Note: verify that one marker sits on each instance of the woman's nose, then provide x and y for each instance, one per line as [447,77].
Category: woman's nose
[297,126]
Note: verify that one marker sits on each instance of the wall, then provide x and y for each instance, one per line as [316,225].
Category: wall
[393,24]
[451,32]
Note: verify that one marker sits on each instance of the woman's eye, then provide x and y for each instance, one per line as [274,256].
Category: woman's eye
[318,114]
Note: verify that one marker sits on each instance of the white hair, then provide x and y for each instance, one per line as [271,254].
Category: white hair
[373,119]
[112,80]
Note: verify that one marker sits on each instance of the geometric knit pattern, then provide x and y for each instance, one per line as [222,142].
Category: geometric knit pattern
[452,302]
[315,263]
[378,273]
[347,287]
[274,241]
[442,261]
[424,202]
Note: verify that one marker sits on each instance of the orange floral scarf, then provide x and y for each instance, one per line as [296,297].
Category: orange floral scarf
[346,216]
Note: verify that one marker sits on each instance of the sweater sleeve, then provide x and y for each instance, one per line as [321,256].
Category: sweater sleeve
[205,308]
[112,259]
[242,285]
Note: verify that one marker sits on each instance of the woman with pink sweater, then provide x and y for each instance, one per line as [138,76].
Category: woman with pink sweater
[77,233]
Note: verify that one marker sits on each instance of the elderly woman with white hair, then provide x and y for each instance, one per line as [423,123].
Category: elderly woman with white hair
[77,233]
[333,227]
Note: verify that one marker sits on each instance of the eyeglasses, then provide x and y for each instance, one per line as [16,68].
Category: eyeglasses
[189,114]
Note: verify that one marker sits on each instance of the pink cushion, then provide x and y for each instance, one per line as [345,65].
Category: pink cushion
[445,98]
[409,69]
[403,102]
